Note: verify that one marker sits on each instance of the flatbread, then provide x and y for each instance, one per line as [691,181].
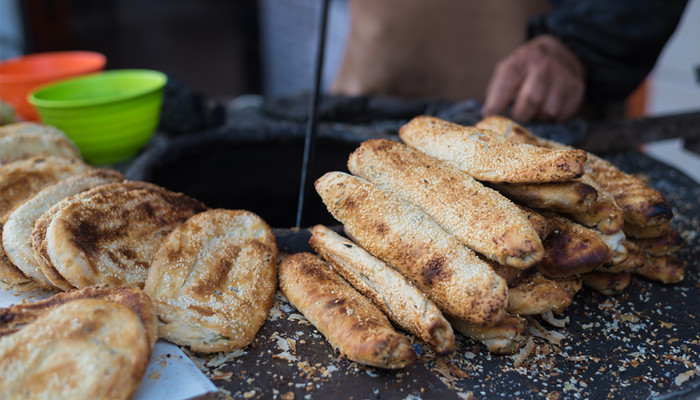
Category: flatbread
[15,317]
[39,244]
[213,280]
[20,180]
[112,238]
[85,349]
[17,231]
[18,146]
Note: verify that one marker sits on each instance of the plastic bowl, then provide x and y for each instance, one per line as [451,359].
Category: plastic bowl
[20,75]
[108,115]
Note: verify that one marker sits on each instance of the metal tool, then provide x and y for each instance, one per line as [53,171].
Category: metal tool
[312,121]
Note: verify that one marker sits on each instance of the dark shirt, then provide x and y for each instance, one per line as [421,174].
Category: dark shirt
[617,41]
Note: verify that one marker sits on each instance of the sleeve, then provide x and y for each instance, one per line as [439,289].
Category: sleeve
[618,42]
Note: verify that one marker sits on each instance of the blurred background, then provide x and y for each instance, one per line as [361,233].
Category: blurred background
[224,49]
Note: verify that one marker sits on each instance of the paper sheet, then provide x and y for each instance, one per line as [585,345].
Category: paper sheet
[170,374]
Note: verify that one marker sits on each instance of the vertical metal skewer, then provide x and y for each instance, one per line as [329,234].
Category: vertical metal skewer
[312,121]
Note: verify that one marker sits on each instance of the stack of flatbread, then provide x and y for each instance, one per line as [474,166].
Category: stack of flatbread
[486,226]
[67,226]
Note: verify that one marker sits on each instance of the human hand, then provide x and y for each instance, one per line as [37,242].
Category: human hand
[544,79]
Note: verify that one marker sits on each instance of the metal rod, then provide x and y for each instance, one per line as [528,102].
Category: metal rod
[312,121]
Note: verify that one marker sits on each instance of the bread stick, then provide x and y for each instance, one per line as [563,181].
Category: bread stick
[606,283]
[505,338]
[405,237]
[352,324]
[477,216]
[664,269]
[568,197]
[402,302]
[491,157]
[537,294]
[603,214]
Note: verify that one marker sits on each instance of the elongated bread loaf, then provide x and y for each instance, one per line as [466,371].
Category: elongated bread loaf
[607,283]
[568,197]
[604,214]
[402,302]
[641,204]
[17,232]
[352,324]
[505,338]
[405,237]
[571,249]
[537,295]
[84,349]
[491,157]
[213,280]
[664,269]
[17,146]
[478,216]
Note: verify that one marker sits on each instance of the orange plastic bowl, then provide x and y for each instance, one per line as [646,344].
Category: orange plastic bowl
[19,75]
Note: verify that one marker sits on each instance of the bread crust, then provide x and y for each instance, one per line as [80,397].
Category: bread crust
[489,156]
[481,218]
[18,146]
[19,180]
[505,338]
[603,214]
[405,237]
[39,243]
[352,324]
[85,349]
[16,317]
[607,283]
[568,197]
[537,294]
[571,248]
[402,302]
[664,269]
[112,238]
[17,231]
[213,280]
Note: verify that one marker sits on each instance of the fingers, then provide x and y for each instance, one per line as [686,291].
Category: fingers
[503,87]
[543,79]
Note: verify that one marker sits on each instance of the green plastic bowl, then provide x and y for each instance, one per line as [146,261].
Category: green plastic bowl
[108,115]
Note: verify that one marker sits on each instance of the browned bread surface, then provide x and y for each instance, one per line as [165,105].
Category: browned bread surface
[405,237]
[400,300]
[85,349]
[352,324]
[489,156]
[213,280]
[111,238]
[478,216]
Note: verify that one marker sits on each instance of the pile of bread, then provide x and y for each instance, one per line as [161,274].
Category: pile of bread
[473,228]
[135,262]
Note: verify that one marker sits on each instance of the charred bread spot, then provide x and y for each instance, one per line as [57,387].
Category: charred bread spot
[434,271]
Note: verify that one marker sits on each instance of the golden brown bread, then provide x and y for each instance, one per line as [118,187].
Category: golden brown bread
[85,349]
[39,244]
[112,238]
[402,302]
[213,280]
[478,216]
[604,214]
[568,197]
[667,243]
[507,337]
[664,269]
[29,127]
[18,146]
[571,249]
[16,317]
[352,324]
[634,259]
[538,222]
[17,231]
[646,232]
[537,295]
[19,180]
[488,156]
[405,237]
[607,283]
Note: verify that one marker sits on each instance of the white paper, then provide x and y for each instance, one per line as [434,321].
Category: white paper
[170,374]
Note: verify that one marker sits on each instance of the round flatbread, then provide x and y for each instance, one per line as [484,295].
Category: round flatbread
[213,280]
